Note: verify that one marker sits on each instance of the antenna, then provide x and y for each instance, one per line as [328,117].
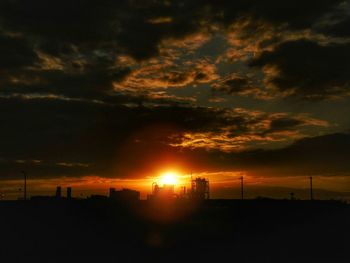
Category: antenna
[241,178]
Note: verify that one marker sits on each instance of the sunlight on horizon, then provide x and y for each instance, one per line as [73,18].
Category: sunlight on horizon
[169,178]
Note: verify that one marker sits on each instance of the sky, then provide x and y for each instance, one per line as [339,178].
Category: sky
[95,94]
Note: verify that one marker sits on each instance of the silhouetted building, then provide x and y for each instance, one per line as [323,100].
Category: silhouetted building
[41,198]
[183,193]
[124,195]
[164,193]
[58,192]
[98,197]
[111,191]
[69,192]
[200,188]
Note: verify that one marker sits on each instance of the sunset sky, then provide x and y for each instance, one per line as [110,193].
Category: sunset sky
[99,94]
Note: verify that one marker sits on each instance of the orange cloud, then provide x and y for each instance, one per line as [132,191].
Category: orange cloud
[253,130]
[165,74]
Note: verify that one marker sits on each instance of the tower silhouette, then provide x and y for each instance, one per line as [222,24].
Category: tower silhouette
[69,192]
[58,192]
[311,190]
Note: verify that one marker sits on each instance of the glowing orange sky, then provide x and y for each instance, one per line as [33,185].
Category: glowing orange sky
[222,185]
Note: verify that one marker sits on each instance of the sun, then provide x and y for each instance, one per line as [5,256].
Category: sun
[169,178]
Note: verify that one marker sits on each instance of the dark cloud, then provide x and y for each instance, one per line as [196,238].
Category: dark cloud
[117,140]
[93,84]
[340,29]
[126,24]
[16,53]
[322,155]
[319,155]
[274,11]
[285,124]
[63,21]
[84,33]
[308,69]
[119,25]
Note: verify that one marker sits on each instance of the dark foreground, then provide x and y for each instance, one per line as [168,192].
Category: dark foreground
[216,231]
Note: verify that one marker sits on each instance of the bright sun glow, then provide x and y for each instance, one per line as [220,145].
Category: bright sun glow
[169,178]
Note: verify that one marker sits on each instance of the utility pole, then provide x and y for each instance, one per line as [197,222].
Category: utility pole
[25,185]
[311,193]
[241,178]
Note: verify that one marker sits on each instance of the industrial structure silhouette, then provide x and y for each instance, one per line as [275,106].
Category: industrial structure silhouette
[199,190]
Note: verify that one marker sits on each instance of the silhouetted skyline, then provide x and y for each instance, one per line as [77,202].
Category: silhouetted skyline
[99,94]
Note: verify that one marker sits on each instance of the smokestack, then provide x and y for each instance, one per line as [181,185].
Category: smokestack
[69,192]
[58,192]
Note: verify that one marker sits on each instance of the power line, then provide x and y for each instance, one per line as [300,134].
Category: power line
[242,193]
[25,185]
